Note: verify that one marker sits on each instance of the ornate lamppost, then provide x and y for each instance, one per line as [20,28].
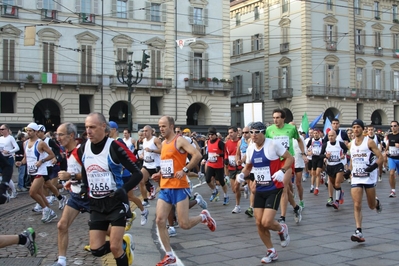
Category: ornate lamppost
[125,76]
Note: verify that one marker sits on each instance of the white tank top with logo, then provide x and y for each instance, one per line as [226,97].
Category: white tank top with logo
[360,156]
[151,160]
[32,156]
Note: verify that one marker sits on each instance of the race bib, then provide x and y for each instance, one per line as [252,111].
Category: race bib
[262,175]
[335,156]
[100,183]
[32,169]
[394,151]
[212,157]
[148,159]
[167,170]
[358,168]
[232,160]
[284,140]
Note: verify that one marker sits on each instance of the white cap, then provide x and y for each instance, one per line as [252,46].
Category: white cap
[41,128]
[33,126]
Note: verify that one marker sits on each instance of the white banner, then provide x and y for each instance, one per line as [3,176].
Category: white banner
[253,113]
[182,42]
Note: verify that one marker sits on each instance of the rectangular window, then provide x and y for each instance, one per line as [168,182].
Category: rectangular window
[284,77]
[357,7]
[86,63]
[330,32]
[156,65]
[396,81]
[121,8]
[238,19]
[377,10]
[85,103]
[237,47]
[256,13]
[48,57]
[85,6]
[256,85]
[238,85]
[155,12]
[358,37]
[48,4]
[7,102]
[284,6]
[377,39]
[154,105]
[329,5]
[377,79]
[256,42]
[8,59]
[197,16]
[330,76]
[395,38]
[395,12]
[198,66]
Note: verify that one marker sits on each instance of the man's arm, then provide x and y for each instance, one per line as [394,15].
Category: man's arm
[182,143]
[157,143]
[15,145]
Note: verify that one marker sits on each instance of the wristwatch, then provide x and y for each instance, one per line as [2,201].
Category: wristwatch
[283,170]
[43,161]
[73,177]
[185,169]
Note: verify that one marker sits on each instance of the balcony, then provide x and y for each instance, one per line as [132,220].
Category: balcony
[359,49]
[86,18]
[199,29]
[282,93]
[49,15]
[210,86]
[395,53]
[378,51]
[8,11]
[341,92]
[331,46]
[284,47]
[146,83]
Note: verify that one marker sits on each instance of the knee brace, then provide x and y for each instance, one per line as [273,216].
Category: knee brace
[101,251]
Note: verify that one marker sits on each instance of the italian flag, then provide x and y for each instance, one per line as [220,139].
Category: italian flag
[397,53]
[9,10]
[49,78]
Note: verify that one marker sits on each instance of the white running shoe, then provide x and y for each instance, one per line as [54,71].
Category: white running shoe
[144,217]
[237,209]
[202,203]
[37,208]
[246,191]
[270,256]
[172,231]
[284,236]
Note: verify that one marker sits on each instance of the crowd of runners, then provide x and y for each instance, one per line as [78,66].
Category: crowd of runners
[265,164]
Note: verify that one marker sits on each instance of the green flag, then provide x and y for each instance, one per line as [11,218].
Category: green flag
[305,123]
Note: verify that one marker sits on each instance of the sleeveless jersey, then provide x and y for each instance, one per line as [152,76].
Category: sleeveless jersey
[172,161]
[265,162]
[316,145]
[151,160]
[230,154]
[336,153]
[102,172]
[33,156]
[129,144]
[213,160]
[74,167]
[393,147]
[361,156]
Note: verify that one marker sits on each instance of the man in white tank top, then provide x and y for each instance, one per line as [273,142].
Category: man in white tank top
[365,158]
[151,157]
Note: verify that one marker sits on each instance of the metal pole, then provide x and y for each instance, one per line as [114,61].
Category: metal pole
[102,56]
[129,107]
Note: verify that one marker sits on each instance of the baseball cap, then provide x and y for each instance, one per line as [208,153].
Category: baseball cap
[358,122]
[113,124]
[33,126]
[186,130]
[41,128]
[258,126]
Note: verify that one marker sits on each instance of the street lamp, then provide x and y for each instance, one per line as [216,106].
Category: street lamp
[129,80]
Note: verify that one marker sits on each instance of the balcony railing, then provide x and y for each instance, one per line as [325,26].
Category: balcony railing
[9,11]
[341,92]
[284,47]
[146,82]
[86,18]
[49,15]
[194,85]
[359,49]
[331,46]
[282,93]
[378,51]
[199,29]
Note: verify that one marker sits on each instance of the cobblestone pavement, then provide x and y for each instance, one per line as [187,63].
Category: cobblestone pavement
[322,238]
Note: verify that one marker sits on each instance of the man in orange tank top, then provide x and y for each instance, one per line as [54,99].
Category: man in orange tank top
[174,185]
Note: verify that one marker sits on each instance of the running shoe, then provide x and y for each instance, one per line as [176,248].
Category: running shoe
[214,196]
[357,237]
[48,216]
[378,207]
[144,217]
[270,256]
[129,249]
[379,179]
[330,202]
[302,204]
[201,178]
[50,199]
[129,221]
[298,215]
[336,205]
[30,244]
[13,194]
[172,231]
[281,220]
[62,202]
[341,197]
[226,200]
[167,260]
[316,191]
[311,190]
[202,203]
[5,194]
[146,204]
[392,194]
[246,191]
[87,248]
[284,236]
[209,221]
[237,209]
[250,212]
[37,208]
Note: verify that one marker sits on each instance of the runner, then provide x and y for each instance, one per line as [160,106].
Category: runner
[393,156]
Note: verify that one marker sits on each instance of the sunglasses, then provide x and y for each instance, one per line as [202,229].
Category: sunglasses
[256,131]
[177,131]
[245,132]
[2,128]
[211,134]
[394,125]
